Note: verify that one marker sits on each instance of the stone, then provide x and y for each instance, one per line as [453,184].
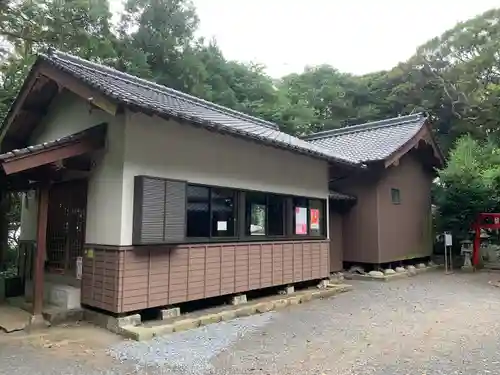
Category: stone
[245,311]
[239,299]
[280,303]
[264,307]
[227,315]
[400,270]
[294,301]
[389,271]
[357,269]
[376,274]
[411,270]
[185,324]
[323,284]
[130,320]
[305,297]
[421,266]
[209,319]
[174,312]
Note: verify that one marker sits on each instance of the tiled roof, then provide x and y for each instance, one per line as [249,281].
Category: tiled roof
[372,141]
[95,131]
[153,98]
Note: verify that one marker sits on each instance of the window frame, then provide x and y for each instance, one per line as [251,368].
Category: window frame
[398,192]
[211,237]
[240,218]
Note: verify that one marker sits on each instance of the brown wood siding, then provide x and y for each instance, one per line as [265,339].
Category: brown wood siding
[405,228]
[124,280]
[336,241]
[360,225]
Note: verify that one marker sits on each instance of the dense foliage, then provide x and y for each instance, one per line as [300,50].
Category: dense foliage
[455,76]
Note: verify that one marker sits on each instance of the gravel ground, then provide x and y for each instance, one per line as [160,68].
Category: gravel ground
[429,324]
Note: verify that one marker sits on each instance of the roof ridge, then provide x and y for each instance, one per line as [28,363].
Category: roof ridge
[394,121]
[72,59]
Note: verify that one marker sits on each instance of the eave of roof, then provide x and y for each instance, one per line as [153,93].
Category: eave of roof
[377,141]
[154,99]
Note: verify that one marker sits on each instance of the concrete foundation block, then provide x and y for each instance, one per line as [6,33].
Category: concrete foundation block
[239,299]
[290,289]
[174,312]
[130,320]
[323,284]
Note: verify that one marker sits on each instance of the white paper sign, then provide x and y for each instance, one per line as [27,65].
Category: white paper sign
[79,268]
[448,239]
[221,225]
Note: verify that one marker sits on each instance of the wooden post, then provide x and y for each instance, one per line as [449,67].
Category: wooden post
[41,248]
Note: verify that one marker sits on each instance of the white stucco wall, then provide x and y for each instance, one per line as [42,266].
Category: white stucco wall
[167,149]
[69,114]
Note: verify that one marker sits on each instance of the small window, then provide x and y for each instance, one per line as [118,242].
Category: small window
[255,212]
[198,211]
[395,196]
[276,215]
[301,220]
[316,217]
[223,212]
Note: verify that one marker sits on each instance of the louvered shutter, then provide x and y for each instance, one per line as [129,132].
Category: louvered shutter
[159,210]
[175,211]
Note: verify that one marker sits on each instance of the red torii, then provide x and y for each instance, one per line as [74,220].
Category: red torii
[483,221]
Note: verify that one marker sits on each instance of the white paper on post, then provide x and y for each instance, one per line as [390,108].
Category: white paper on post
[221,226]
[79,268]
[448,241]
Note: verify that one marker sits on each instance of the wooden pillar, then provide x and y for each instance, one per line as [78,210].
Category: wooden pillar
[41,248]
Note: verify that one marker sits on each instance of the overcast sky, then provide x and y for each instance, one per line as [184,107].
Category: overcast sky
[356,36]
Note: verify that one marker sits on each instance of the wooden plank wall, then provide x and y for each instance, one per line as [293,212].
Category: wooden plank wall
[144,277]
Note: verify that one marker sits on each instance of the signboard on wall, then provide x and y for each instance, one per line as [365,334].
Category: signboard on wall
[314,219]
[300,220]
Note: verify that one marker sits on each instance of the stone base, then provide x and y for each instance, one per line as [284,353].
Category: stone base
[64,296]
[239,299]
[412,271]
[111,323]
[147,332]
[170,313]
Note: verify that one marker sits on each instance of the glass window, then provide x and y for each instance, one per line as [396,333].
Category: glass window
[300,206]
[316,217]
[276,215]
[223,209]
[255,214]
[198,211]
[395,196]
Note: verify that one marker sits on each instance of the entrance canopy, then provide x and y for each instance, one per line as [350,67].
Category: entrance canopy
[23,168]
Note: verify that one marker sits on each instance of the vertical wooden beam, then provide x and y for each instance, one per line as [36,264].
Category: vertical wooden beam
[41,249]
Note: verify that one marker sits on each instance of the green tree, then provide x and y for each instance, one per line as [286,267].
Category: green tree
[469,184]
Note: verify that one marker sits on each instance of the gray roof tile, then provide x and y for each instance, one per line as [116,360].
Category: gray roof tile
[153,98]
[371,141]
